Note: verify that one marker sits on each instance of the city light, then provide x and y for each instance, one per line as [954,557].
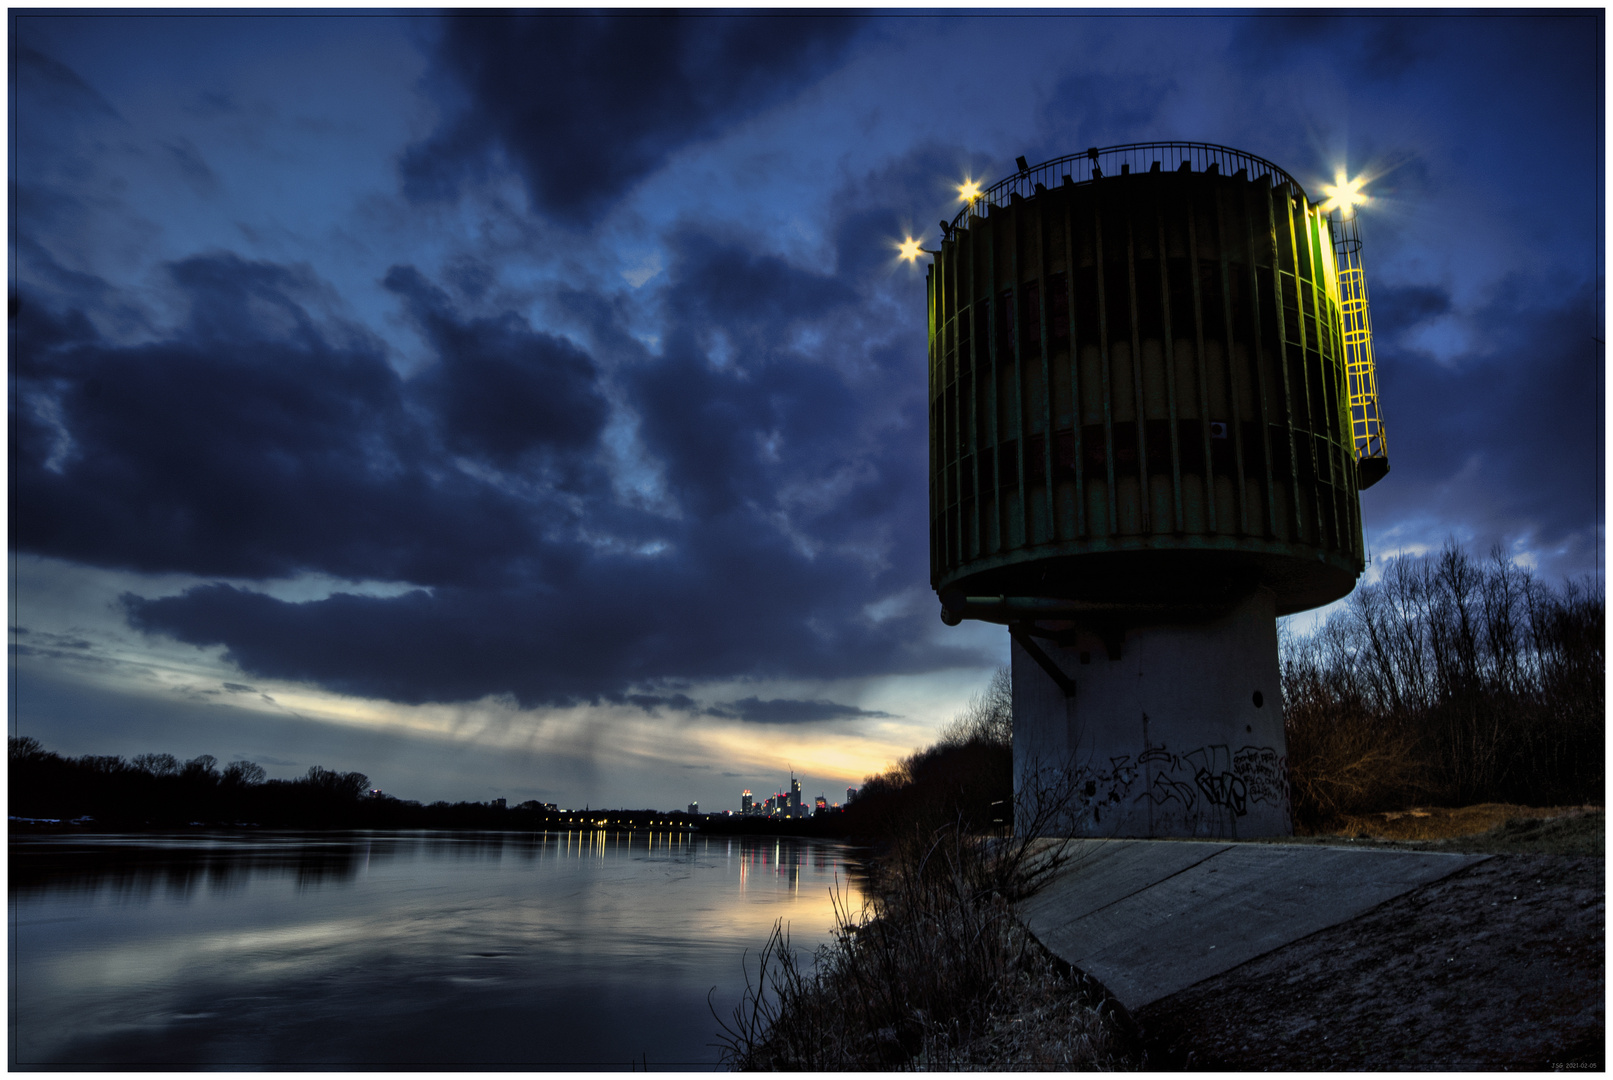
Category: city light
[969,191]
[1344,193]
[909,249]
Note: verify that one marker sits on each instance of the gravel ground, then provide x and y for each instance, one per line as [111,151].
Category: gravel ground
[1500,966]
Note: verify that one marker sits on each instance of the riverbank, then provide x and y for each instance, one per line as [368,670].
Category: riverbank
[1500,965]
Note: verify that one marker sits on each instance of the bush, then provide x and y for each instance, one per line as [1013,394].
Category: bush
[933,970]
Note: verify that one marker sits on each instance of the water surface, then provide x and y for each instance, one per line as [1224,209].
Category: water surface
[424,949]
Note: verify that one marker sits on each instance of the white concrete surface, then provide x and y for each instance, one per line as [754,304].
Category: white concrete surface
[1147,918]
[1168,739]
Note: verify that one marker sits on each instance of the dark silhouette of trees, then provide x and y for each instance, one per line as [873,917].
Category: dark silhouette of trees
[157,789]
[1448,682]
[966,779]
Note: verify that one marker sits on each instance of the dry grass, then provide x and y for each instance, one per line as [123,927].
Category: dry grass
[1441,823]
[933,972]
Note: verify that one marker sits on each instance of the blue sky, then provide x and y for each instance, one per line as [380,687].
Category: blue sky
[534,407]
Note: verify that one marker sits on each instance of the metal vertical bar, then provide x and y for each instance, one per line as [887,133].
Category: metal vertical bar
[1168,350]
[1016,320]
[1145,494]
[1051,436]
[949,329]
[1075,369]
[1234,418]
[929,299]
[1103,352]
[989,229]
[1288,389]
[978,524]
[1303,208]
[1203,374]
[1257,346]
[1329,389]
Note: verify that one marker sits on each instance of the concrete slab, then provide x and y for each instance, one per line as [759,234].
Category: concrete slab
[1150,917]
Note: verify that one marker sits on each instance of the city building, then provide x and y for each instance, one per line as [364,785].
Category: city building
[745,802]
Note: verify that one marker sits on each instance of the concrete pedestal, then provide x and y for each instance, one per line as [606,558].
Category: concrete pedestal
[1182,735]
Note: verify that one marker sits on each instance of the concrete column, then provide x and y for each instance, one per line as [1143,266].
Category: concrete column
[1182,735]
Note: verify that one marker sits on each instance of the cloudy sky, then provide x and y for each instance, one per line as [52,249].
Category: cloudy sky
[535,407]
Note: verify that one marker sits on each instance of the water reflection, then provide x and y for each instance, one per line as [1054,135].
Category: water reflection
[570,949]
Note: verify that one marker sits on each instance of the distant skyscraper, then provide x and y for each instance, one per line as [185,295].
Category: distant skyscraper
[851,793]
[821,804]
[745,801]
[796,809]
[694,808]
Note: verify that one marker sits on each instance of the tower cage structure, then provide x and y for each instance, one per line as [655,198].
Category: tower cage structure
[1137,388]
[1366,422]
[1142,451]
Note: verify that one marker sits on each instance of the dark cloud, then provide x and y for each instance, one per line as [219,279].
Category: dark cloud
[1397,310]
[1088,109]
[1393,46]
[246,443]
[1502,438]
[53,89]
[784,416]
[1268,33]
[787,711]
[730,400]
[585,106]
[1382,45]
[192,167]
[652,703]
[738,603]
[500,389]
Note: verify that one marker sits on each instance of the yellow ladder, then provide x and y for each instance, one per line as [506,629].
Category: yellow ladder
[1366,422]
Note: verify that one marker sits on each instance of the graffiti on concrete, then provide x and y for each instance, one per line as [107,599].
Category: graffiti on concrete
[1264,772]
[1166,789]
[1098,789]
[1210,776]
[1213,775]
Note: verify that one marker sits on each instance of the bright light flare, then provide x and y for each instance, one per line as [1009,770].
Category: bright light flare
[909,249]
[1344,193]
[969,191]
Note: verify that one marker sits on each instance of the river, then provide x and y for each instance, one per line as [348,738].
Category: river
[420,949]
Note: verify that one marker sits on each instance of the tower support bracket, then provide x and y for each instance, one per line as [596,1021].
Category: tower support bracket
[1044,661]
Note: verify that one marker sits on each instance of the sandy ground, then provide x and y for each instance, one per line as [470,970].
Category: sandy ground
[1500,966]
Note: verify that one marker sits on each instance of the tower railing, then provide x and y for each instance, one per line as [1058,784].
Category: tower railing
[1096,163]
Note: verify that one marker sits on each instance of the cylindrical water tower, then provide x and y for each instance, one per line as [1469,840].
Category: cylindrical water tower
[1141,454]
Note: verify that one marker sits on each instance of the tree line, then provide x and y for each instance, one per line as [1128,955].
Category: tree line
[1449,681]
[966,778]
[160,789]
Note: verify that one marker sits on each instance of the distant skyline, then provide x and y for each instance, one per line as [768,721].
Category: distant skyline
[535,408]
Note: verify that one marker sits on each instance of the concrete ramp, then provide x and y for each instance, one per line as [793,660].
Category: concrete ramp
[1150,917]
